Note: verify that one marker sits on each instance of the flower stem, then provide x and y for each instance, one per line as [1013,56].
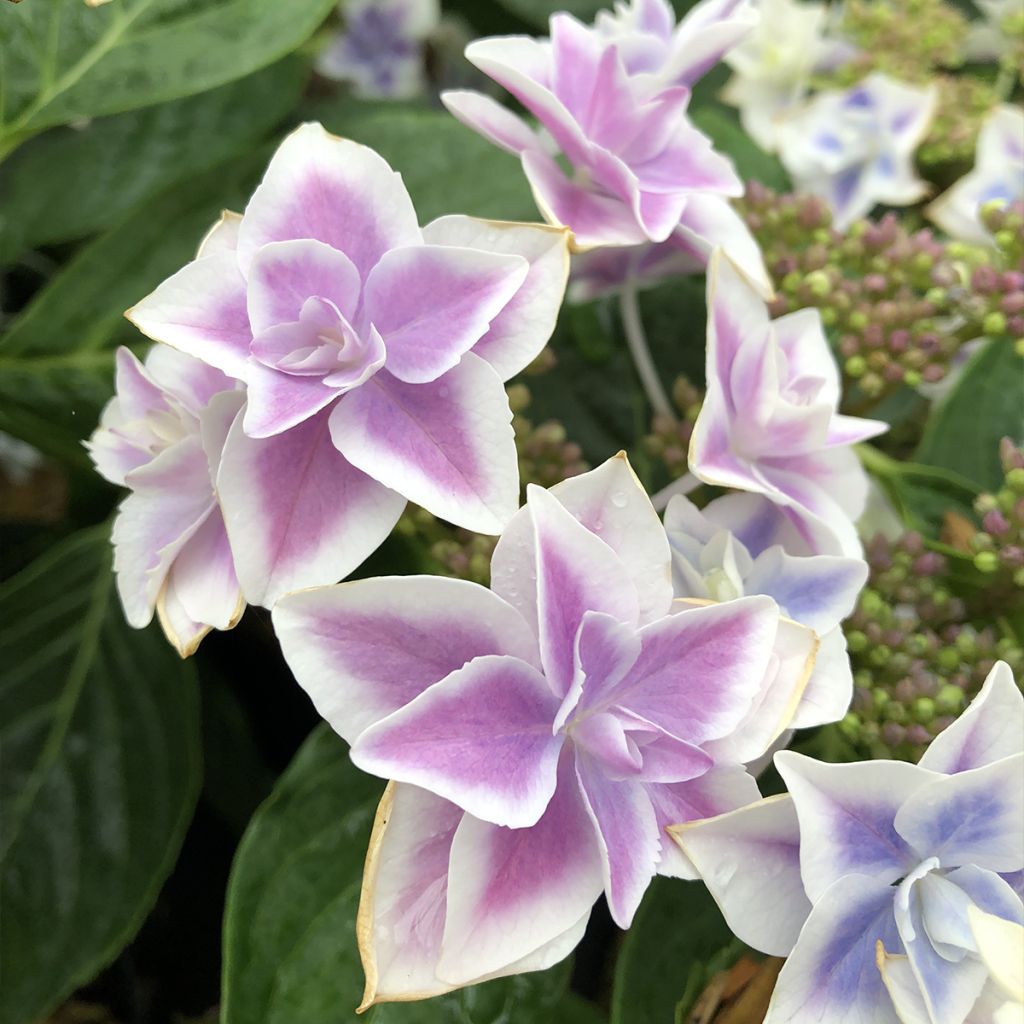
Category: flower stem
[684,485]
[629,308]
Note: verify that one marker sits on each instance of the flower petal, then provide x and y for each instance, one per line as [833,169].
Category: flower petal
[750,861]
[519,889]
[284,275]
[481,738]
[297,512]
[988,730]
[223,236]
[278,401]
[336,191]
[974,817]
[830,689]
[519,332]
[447,445]
[627,831]
[846,816]
[487,117]
[830,975]
[201,310]
[365,649]
[432,303]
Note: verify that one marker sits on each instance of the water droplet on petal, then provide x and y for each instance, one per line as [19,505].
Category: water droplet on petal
[619,499]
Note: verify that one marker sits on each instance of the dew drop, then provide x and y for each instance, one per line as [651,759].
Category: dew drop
[619,499]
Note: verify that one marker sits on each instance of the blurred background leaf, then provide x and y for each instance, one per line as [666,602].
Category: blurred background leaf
[101,771]
[289,934]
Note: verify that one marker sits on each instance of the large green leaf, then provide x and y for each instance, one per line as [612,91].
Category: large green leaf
[101,766]
[986,404]
[73,182]
[63,60]
[289,932]
[56,361]
[677,941]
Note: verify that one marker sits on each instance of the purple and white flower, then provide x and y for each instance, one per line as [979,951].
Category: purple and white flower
[855,148]
[867,876]
[772,67]
[374,355]
[161,436]
[743,544]
[381,50]
[612,99]
[540,734]
[997,176]
[770,422]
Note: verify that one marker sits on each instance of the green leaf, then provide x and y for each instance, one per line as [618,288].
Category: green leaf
[63,60]
[70,183]
[446,167]
[986,404]
[537,12]
[101,771]
[56,361]
[289,931]
[722,125]
[665,957]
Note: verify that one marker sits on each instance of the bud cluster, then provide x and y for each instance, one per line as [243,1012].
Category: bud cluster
[669,439]
[916,661]
[899,303]
[998,547]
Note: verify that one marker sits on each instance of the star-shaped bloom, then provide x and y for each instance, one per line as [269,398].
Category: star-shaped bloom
[374,355]
[869,876]
[381,49]
[770,422]
[997,176]
[855,148]
[541,734]
[773,65]
[743,544]
[161,436]
[617,117]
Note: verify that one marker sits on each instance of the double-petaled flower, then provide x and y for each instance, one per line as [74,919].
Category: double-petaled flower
[374,355]
[161,437]
[612,100]
[770,422]
[541,734]
[743,544]
[879,880]
[855,148]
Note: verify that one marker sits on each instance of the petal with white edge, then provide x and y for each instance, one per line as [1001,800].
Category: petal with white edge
[750,862]
[487,117]
[830,689]
[298,514]
[364,649]
[447,445]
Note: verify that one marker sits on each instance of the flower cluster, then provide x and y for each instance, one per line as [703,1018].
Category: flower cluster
[917,661]
[998,546]
[901,303]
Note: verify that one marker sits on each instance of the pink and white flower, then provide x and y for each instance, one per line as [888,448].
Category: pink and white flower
[612,99]
[770,422]
[541,734]
[997,177]
[374,355]
[161,436]
[869,877]
[744,544]
[855,148]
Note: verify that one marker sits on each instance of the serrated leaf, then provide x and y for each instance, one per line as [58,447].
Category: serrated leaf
[665,958]
[65,60]
[101,771]
[289,931]
[985,405]
[73,182]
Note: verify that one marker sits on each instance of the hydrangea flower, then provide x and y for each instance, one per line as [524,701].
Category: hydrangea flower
[997,176]
[772,67]
[743,544]
[374,355]
[855,148]
[161,436]
[541,733]
[641,170]
[881,863]
[381,49]
[769,423]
